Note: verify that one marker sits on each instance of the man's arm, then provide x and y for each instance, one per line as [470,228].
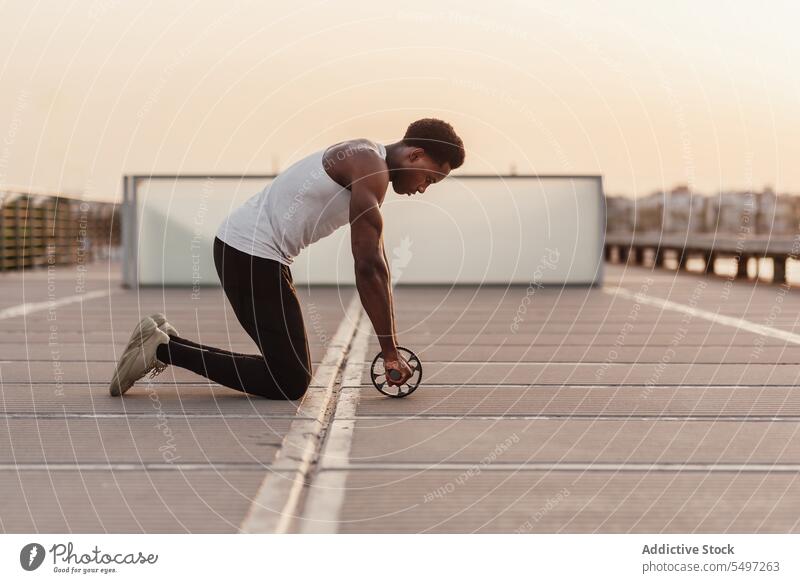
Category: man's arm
[372,272]
[391,291]
[371,268]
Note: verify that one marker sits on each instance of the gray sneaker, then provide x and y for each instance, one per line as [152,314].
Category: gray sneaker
[139,357]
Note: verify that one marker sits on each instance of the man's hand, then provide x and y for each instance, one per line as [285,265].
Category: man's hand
[396,362]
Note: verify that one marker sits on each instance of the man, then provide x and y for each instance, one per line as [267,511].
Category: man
[256,244]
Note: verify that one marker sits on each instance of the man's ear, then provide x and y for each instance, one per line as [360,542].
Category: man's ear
[416,154]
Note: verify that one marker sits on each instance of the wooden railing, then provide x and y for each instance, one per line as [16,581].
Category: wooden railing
[40,230]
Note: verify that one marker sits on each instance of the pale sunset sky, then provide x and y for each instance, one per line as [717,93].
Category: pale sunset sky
[649,94]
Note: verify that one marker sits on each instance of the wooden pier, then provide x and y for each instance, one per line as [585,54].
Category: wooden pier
[652,248]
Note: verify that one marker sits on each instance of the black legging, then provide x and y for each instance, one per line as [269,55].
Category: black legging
[263,298]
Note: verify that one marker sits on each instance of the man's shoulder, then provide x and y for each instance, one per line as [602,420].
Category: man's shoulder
[356,160]
[359,148]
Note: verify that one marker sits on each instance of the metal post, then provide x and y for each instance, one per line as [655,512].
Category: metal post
[658,257]
[741,267]
[128,227]
[779,269]
[710,258]
[683,256]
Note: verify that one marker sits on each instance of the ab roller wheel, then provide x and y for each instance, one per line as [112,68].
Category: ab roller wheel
[378,375]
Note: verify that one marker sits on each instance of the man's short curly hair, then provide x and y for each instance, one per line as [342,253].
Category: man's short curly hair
[438,139]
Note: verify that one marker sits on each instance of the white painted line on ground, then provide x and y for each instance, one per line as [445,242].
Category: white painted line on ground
[326,495]
[125,467]
[575,386]
[66,415]
[416,417]
[568,467]
[739,323]
[31,307]
[276,504]
[92,360]
[572,416]
[342,469]
[516,363]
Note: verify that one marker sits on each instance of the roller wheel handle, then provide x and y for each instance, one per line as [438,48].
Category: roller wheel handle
[379,378]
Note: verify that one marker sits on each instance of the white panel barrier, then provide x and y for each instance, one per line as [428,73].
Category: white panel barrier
[465,230]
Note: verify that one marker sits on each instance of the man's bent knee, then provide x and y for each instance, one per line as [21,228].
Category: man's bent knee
[288,386]
[296,384]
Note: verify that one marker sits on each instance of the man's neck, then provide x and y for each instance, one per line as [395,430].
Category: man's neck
[393,156]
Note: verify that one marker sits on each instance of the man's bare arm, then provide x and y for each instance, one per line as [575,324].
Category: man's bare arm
[391,291]
[371,270]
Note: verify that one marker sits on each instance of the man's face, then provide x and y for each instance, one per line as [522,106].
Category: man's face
[417,172]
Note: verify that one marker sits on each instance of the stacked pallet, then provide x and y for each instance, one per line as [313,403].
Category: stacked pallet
[40,230]
[17,232]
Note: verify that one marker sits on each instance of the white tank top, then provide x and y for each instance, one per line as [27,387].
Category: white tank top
[300,206]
